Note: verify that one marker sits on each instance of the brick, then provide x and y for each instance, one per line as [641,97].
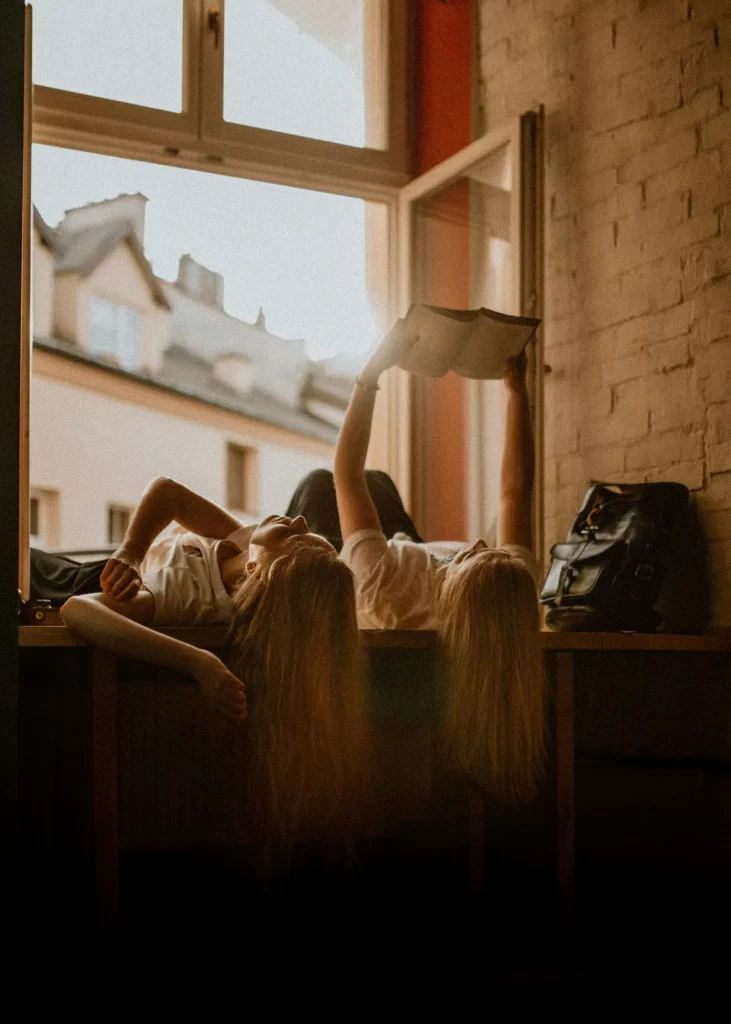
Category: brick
[719,458]
[644,250]
[627,421]
[694,174]
[675,401]
[494,57]
[665,449]
[713,369]
[668,355]
[595,188]
[652,287]
[651,90]
[716,131]
[717,495]
[651,219]
[661,157]
[719,423]
[603,463]
[570,469]
[688,473]
[653,328]
[705,264]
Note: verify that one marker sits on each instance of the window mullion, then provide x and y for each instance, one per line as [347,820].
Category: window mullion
[212,25]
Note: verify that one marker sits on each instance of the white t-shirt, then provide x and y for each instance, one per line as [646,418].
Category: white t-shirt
[181,572]
[397,582]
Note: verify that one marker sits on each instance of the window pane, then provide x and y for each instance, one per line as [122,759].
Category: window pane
[236,317]
[464,258]
[306,68]
[130,51]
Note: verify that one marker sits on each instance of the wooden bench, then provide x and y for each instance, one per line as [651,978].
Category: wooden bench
[561,647]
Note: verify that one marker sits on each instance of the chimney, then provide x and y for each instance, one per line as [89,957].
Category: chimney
[199,282]
[109,211]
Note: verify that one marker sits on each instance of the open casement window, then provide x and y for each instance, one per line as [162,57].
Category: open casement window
[291,91]
[470,235]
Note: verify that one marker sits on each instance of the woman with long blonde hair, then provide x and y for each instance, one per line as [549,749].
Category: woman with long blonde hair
[294,665]
[481,600]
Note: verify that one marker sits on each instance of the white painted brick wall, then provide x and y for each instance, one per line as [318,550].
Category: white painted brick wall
[637,97]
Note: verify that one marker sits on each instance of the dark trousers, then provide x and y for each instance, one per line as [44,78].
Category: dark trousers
[314,499]
[55,578]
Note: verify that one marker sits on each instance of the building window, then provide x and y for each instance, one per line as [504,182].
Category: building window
[118,517]
[242,479]
[44,517]
[114,332]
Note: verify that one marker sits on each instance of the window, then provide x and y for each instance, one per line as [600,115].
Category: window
[283,90]
[303,68]
[242,479]
[44,517]
[118,517]
[114,333]
[132,51]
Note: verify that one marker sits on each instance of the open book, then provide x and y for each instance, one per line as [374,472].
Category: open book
[473,342]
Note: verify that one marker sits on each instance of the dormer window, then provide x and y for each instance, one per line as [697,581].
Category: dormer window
[114,332]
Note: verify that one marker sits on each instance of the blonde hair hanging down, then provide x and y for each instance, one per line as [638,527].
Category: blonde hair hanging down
[294,642]
[491,676]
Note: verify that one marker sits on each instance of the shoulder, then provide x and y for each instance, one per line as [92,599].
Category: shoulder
[364,544]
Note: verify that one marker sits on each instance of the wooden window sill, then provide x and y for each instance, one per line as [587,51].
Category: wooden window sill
[215,637]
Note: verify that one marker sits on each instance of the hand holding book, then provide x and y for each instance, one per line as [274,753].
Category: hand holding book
[475,343]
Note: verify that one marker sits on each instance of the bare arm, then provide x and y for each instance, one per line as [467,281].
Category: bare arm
[355,505]
[122,627]
[518,466]
[164,501]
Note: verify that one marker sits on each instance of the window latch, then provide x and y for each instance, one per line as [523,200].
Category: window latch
[214,26]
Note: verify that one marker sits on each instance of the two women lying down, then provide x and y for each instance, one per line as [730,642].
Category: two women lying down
[293,599]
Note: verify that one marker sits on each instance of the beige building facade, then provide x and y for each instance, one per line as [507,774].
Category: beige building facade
[135,378]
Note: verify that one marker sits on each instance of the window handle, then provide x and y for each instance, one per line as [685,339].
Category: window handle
[214,26]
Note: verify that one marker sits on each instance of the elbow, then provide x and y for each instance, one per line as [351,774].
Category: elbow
[163,484]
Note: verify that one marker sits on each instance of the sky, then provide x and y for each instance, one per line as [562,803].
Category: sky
[298,254]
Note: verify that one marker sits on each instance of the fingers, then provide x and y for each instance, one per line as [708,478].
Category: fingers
[120,581]
[231,696]
[112,566]
[130,590]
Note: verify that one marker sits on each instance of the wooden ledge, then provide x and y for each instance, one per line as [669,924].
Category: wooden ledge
[215,636]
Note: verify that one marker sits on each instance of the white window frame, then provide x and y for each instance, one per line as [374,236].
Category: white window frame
[199,138]
[524,134]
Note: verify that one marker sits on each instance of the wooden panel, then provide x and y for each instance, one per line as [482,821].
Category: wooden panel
[215,636]
[565,787]
[104,761]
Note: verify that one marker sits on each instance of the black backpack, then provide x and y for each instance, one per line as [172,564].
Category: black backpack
[609,573]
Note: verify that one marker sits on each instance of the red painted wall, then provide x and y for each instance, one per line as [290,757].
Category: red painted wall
[443,126]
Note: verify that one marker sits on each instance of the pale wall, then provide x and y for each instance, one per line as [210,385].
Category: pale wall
[97,450]
[66,306]
[42,288]
[637,99]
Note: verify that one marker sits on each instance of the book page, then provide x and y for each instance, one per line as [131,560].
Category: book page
[493,339]
[442,336]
